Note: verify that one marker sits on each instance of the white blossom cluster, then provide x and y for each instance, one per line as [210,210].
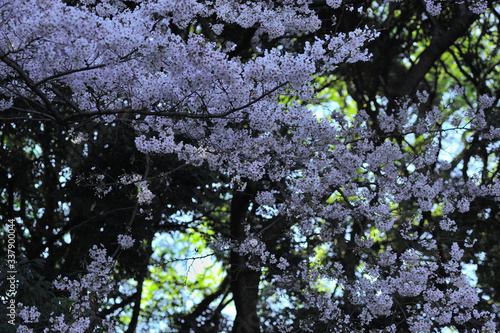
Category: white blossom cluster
[125,241]
[85,293]
[331,172]
[145,196]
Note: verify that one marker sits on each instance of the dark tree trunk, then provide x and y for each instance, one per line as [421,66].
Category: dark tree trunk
[244,281]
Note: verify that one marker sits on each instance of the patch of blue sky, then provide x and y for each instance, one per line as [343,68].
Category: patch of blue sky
[192,262]
[452,142]
[324,109]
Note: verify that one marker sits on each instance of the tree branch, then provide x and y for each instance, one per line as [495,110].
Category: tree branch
[433,52]
[34,88]
[173,113]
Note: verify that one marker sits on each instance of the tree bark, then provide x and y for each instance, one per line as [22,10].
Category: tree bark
[244,281]
[136,310]
[433,52]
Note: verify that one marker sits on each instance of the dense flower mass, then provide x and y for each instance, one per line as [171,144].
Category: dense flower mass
[125,241]
[93,287]
[359,199]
